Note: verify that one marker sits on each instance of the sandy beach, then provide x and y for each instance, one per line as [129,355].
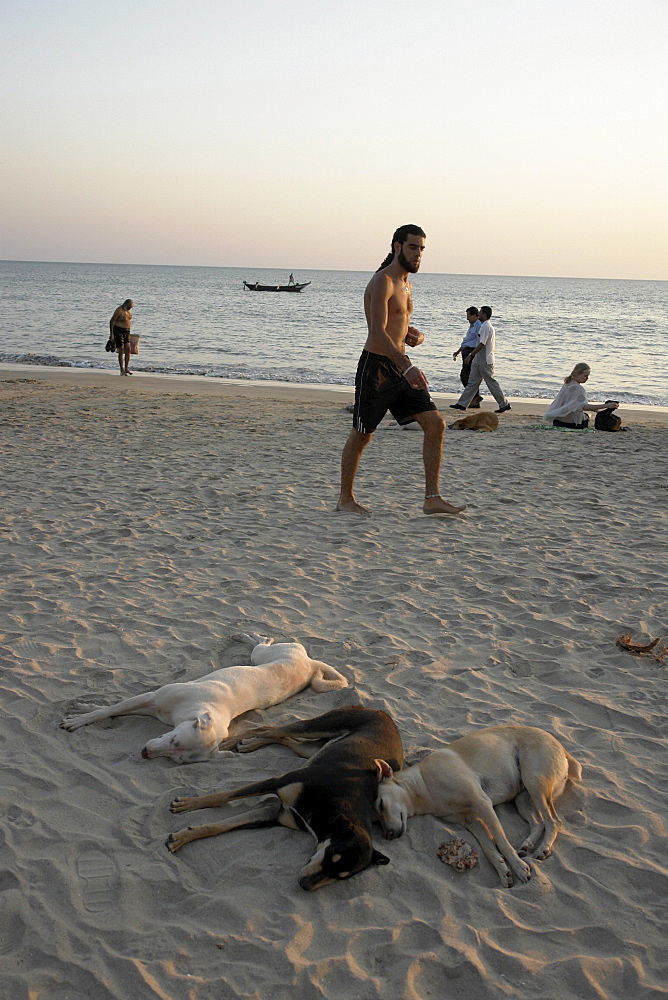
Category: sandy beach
[147,520]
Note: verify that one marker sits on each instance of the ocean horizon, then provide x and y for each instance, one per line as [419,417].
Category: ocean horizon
[200,321]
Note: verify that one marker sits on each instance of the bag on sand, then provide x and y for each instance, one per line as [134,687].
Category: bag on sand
[607,420]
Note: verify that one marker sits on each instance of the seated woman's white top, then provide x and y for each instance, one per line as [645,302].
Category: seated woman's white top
[568,406]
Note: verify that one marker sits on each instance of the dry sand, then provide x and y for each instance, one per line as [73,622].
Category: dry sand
[146,520]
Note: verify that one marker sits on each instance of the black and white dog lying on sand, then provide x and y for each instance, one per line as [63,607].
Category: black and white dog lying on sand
[331,797]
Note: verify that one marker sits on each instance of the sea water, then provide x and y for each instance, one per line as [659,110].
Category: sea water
[202,321]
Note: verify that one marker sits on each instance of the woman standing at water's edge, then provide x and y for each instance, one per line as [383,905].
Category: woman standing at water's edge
[568,408]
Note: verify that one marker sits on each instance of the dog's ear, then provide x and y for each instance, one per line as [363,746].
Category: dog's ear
[385,772]
[203,721]
[379,859]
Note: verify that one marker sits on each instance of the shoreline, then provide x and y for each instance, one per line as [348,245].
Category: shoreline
[203,385]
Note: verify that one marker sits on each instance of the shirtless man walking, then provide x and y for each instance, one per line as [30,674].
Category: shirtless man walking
[387,380]
[119,325]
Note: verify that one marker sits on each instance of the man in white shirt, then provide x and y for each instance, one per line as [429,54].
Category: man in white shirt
[482,367]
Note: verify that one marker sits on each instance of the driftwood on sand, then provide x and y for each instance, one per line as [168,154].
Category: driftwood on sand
[642,649]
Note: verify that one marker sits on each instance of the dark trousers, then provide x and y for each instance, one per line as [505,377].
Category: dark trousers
[571,426]
[466,369]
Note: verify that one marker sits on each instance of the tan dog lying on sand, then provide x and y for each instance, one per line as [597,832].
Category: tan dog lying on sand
[482,421]
[201,710]
[463,783]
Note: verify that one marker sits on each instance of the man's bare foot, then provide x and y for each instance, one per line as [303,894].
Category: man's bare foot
[128,372]
[353,507]
[437,505]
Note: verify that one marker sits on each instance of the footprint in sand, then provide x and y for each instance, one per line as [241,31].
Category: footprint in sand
[101,881]
[417,657]
[520,669]
[20,818]
[12,927]
[30,649]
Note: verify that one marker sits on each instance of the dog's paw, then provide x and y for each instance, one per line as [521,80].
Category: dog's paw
[250,638]
[245,742]
[522,871]
[251,743]
[542,854]
[175,841]
[72,722]
[181,804]
[228,745]
[83,716]
[244,637]
[528,848]
[506,877]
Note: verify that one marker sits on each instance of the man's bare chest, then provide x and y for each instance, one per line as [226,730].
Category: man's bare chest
[401,302]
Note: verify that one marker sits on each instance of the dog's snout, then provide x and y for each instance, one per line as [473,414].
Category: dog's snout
[390,835]
[144,753]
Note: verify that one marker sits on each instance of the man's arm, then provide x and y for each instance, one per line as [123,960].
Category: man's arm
[112,321]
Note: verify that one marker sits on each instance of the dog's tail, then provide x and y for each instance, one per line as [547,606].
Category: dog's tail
[574,768]
[326,678]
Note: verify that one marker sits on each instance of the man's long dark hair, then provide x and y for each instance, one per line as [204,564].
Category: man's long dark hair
[400,237]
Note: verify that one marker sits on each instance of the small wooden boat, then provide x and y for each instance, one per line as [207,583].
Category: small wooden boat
[257,287]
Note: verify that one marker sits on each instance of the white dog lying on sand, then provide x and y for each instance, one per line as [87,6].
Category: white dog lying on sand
[201,710]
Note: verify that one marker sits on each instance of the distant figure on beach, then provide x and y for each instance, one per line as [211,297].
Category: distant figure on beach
[481,360]
[568,408]
[388,380]
[119,325]
[467,346]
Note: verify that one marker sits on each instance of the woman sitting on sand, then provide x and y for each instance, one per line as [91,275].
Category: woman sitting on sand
[568,408]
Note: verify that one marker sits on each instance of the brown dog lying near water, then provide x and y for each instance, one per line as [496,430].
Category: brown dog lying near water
[463,782]
[483,421]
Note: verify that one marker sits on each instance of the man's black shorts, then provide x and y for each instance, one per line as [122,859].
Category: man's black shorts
[379,387]
[121,337]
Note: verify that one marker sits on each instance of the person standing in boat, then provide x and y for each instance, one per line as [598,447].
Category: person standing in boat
[388,380]
[291,279]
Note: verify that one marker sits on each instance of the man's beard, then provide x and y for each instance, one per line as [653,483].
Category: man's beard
[407,265]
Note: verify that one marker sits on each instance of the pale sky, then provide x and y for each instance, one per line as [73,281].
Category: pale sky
[525,136]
